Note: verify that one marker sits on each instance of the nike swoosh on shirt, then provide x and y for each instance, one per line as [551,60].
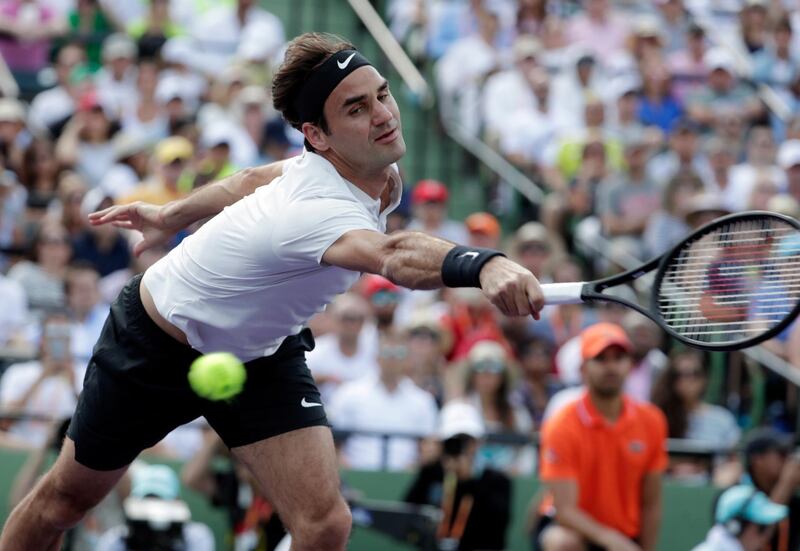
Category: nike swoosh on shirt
[307,404]
[346,62]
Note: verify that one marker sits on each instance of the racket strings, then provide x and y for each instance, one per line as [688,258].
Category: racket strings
[733,283]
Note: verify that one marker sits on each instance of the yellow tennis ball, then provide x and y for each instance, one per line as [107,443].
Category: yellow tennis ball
[217,376]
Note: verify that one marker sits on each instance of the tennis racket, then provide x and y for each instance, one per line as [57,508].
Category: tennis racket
[731,284]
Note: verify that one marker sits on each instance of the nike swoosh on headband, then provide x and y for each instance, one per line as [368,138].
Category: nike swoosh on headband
[346,62]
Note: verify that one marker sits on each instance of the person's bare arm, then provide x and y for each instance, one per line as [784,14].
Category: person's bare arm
[197,474]
[615,225]
[414,260]
[651,511]
[34,466]
[69,142]
[159,223]
[793,346]
[55,27]
[788,482]
[700,113]
[565,499]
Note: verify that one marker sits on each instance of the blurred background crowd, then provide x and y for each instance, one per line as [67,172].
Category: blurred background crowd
[638,120]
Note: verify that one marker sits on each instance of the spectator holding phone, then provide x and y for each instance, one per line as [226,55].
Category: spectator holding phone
[45,387]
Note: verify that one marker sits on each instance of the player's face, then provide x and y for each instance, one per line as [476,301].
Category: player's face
[364,127]
[605,375]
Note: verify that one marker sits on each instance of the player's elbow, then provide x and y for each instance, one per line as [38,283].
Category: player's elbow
[249,179]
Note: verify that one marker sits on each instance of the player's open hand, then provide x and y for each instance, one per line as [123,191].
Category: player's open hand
[512,288]
[144,217]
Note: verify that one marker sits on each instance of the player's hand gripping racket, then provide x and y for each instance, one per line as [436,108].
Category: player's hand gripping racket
[731,284]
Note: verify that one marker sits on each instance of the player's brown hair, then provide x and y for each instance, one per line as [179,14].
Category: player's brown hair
[304,54]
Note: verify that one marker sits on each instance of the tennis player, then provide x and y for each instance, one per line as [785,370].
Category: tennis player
[247,282]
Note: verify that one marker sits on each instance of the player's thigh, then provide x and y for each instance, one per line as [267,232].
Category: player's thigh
[75,485]
[296,471]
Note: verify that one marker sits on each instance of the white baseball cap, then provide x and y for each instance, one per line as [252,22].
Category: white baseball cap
[459,417]
[11,110]
[177,50]
[117,46]
[717,58]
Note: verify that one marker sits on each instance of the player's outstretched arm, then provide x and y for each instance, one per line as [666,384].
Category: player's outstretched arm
[159,223]
[420,261]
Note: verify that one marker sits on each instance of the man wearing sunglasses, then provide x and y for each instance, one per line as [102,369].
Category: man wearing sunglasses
[386,402]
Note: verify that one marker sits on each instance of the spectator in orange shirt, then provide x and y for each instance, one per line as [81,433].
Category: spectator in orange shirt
[602,458]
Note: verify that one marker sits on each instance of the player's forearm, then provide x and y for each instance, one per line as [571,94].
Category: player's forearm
[210,199]
[414,260]
[651,523]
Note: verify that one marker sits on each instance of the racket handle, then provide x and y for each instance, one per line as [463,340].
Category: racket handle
[562,293]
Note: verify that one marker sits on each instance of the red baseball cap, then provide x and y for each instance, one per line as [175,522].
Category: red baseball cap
[375,283]
[596,338]
[88,101]
[429,191]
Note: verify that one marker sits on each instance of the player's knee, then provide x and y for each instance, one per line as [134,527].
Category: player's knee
[558,538]
[62,505]
[326,530]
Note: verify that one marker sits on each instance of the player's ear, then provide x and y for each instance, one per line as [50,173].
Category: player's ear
[315,136]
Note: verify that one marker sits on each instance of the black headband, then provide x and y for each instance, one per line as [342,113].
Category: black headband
[323,80]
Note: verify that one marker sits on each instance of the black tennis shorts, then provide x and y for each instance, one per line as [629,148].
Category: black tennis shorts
[136,391]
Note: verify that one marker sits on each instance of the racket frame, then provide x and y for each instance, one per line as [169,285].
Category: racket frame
[664,264]
[592,291]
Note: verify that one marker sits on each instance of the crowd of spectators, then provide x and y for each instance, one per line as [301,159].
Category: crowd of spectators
[639,120]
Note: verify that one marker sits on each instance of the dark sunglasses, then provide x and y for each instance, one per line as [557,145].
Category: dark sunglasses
[384,298]
[399,352]
[488,367]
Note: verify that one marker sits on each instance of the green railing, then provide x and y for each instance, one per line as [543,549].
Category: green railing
[687,509]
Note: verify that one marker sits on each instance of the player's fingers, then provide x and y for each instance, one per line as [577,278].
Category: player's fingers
[99,213]
[521,303]
[110,214]
[500,302]
[535,297]
[124,224]
[141,247]
[513,300]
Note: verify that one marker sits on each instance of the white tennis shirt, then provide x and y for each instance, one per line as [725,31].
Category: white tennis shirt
[252,275]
